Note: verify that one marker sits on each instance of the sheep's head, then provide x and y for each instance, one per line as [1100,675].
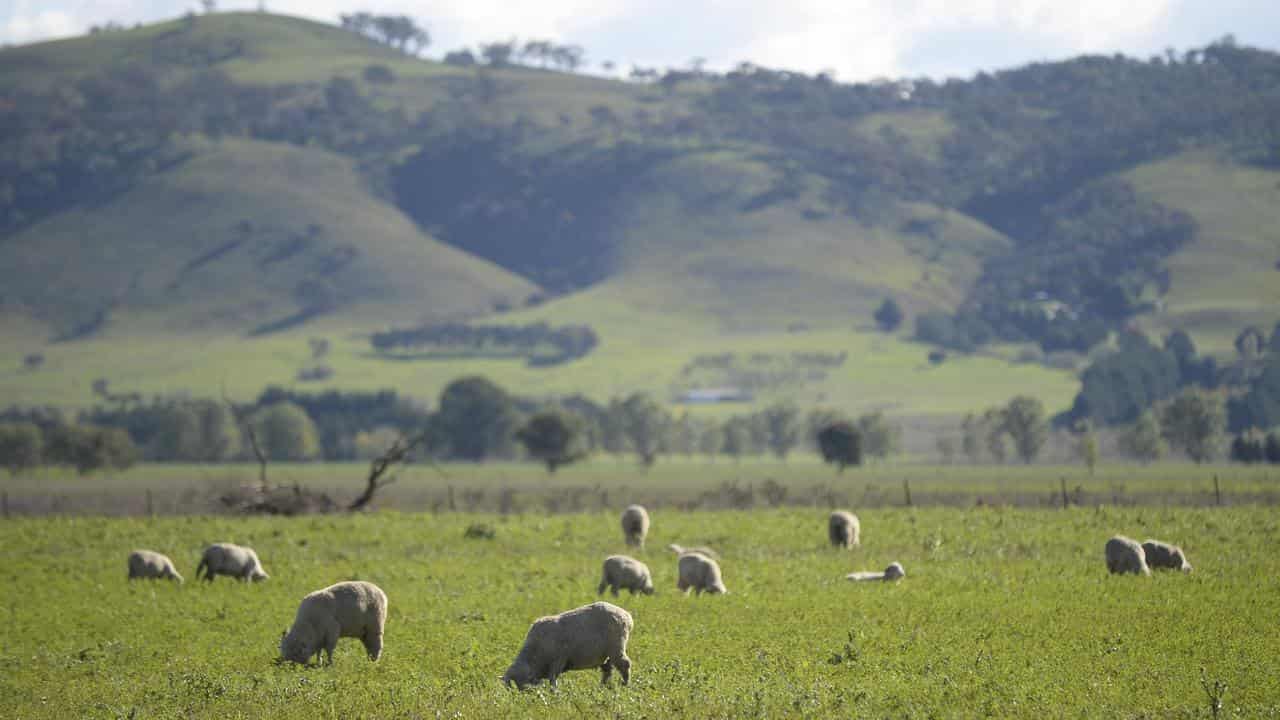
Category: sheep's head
[258,575]
[295,646]
[174,574]
[520,674]
[648,586]
[894,572]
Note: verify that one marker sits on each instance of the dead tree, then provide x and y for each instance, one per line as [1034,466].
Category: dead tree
[247,428]
[374,482]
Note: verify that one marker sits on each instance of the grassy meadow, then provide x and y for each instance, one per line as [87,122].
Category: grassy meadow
[1003,612]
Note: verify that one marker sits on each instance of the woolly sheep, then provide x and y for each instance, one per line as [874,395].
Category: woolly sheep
[147,564]
[1125,555]
[635,525]
[1163,555]
[699,572]
[622,572]
[842,529]
[233,560]
[592,636]
[681,550]
[893,572]
[348,609]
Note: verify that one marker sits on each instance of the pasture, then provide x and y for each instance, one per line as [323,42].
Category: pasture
[1005,612]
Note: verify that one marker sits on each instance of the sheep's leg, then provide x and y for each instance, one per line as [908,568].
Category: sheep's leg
[614,589]
[623,663]
[605,671]
[603,584]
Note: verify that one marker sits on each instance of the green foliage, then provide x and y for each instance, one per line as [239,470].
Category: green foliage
[889,315]
[1194,422]
[1086,446]
[880,438]
[1024,420]
[840,444]
[553,438]
[21,446]
[87,448]
[1118,387]
[285,432]
[646,425]
[1259,406]
[782,426]
[1143,440]
[476,420]
[737,438]
[195,431]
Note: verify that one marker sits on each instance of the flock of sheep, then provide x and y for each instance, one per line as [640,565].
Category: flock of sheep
[588,637]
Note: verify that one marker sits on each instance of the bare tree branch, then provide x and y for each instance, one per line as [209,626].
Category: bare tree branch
[398,451]
[247,428]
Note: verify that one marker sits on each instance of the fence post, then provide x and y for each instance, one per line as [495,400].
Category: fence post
[906,490]
[1065,499]
[1217,490]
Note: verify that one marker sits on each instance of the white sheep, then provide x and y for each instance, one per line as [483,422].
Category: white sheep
[1163,555]
[592,636]
[635,525]
[843,529]
[622,572]
[893,572]
[699,573]
[1125,555]
[348,609]
[147,564]
[233,560]
[680,550]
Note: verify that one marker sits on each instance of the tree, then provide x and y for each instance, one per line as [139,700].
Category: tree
[711,440]
[1272,449]
[994,432]
[613,429]
[1194,421]
[840,445]
[1249,447]
[1086,445]
[888,316]
[737,438]
[1142,440]
[21,446]
[947,449]
[816,420]
[476,419]
[88,448]
[782,424]
[880,438]
[552,437]
[971,438]
[498,54]
[1024,420]
[1250,343]
[286,432]
[646,424]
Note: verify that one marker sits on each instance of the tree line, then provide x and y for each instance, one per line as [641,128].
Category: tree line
[566,343]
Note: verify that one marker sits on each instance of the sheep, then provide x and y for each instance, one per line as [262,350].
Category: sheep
[148,564]
[1125,555]
[348,609]
[698,573]
[622,572]
[842,529]
[893,572]
[635,525]
[592,636]
[233,560]
[1163,555]
[681,550]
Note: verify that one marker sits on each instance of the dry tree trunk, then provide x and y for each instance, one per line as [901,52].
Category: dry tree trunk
[398,451]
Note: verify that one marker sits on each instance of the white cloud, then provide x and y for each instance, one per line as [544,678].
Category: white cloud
[26,23]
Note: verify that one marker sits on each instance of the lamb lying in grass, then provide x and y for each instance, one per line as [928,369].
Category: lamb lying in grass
[624,573]
[893,572]
[233,560]
[1125,555]
[348,609]
[1165,556]
[145,564]
[592,636]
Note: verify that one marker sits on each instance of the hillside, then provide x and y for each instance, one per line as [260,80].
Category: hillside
[184,205]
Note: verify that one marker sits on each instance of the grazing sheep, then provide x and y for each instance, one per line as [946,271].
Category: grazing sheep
[622,572]
[348,609]
[146,564]
[592,636]
[233,560]
[699,572]
[635,525]
[893,572]
[681,550]
[1125,555]
[842,529]
[1163,555]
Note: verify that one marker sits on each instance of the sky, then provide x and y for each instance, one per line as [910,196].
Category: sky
[855,39]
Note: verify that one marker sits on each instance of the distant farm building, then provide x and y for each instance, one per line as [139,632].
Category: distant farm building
[708,396]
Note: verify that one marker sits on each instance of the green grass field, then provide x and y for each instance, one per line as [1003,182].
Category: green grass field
[1006,613]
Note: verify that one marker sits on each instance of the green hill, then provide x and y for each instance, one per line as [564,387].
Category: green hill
[183,206]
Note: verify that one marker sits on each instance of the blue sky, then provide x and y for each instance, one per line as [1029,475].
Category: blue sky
[857,39]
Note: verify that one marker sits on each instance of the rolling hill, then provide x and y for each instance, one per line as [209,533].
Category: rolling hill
[242,183]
